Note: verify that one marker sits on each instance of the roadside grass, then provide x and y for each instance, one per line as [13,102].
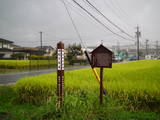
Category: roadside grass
[133,92]
[76,107]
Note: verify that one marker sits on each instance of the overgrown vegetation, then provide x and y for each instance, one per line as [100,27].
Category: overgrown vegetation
[72,52]
[132,93]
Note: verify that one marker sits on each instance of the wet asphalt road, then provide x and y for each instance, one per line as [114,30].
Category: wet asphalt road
[13,77]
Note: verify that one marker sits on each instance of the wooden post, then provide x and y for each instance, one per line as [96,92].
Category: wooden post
[60,73]
[101,85]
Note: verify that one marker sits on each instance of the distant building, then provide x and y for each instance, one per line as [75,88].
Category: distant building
[48,50]
[27,51]
[6,47]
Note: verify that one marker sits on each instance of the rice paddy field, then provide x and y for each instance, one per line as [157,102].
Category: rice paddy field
[19,65]
[13,64]
[133,93]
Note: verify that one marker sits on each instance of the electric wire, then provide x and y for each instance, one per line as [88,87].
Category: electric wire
[121,9]
[108,19]
[89,20]
[100,21]
[116,12]
[73,23]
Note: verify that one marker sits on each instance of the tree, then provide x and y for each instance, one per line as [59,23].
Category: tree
[72,52]
[54,55]
[18,56]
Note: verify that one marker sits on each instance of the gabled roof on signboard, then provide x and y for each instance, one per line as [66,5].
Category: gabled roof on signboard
[101,47]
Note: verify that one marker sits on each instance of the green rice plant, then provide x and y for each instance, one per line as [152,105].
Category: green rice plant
[26,64]
[34,91]
[135,84]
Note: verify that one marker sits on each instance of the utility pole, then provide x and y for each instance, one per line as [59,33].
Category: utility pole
[41,42]
[101,42]
[147,46]
[157,48]
[138,34]
[118,48]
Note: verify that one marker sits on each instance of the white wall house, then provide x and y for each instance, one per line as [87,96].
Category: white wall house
[49,50]
[5,48]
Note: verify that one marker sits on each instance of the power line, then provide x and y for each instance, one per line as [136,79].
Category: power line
[99,21]
[89,20]
[116,11]
[108,19]
[120,8]
[74,25]
[77,12]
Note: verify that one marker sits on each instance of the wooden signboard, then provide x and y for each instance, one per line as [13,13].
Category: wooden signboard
[101,57]
[60,73]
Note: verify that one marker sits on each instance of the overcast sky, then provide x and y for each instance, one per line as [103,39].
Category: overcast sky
[22,20]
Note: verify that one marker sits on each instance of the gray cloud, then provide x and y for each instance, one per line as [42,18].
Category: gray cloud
[21,21]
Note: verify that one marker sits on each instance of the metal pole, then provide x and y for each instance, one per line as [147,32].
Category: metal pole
[101,85]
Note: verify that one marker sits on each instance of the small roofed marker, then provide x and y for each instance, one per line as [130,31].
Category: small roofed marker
[101,57]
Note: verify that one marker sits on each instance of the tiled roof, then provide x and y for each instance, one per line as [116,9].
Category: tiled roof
[5,41]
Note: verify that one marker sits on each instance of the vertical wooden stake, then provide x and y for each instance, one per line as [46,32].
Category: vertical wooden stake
[101,85]
[60,74]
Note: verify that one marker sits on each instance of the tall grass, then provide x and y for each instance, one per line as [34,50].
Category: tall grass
[135,85]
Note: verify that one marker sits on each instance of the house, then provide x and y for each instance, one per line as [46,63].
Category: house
[48,50]
[27,51]
[6,47]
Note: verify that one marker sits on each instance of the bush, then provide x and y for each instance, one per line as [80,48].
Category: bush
[35,57]
[33,91]
[18,56]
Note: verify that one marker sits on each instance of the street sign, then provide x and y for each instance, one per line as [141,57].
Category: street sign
[60,73]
